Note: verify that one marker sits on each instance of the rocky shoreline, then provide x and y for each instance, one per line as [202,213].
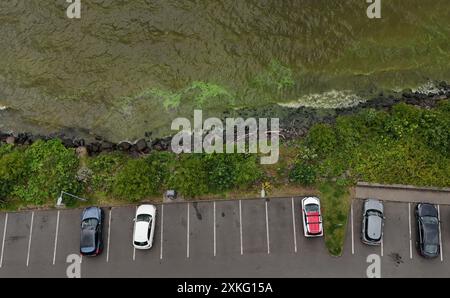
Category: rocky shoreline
[294,122]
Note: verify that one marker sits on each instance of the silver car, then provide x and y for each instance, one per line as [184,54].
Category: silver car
[372,222]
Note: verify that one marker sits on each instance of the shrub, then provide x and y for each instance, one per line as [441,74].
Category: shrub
[189,176]
[226,171]
[134,181]
[304,174]
[13,170]
[322,139]
[104,168]
[51,168]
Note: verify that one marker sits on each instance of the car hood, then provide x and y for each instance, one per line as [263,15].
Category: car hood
[141,230]
[374,224]
[373,205]
[91,212]
[427,210]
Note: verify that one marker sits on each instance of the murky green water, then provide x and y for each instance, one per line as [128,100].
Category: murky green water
[132,66]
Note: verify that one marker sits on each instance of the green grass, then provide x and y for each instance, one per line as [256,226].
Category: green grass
[335,201]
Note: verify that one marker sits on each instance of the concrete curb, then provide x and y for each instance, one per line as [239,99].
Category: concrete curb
[401,186]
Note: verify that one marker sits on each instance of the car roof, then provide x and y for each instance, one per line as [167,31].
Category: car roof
[87,238]
[431,234]
[141,231]
[374,227]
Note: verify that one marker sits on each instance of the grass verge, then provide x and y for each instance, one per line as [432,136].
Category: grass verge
[335,201]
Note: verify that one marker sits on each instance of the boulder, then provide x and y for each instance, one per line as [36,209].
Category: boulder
[141,145]
[124,146]
[10,140]
[106,146]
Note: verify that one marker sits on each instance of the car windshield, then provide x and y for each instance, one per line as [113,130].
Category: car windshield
[373,213]
[140,243]
[144,217]
[89,222]
[312,208]
[431,248]
[429,220]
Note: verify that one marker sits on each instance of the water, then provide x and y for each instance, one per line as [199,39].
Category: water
[128,67]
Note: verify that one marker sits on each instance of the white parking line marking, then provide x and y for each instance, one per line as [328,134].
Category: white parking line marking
[3,242]
[56,237]
[109,235]
[293,225]
[162,228]
[440,235]
[351,223]
[214,227]
[410,234]
[382,248]
[29,238]
[240,225]
[267,230]
[134,222]
[187,247]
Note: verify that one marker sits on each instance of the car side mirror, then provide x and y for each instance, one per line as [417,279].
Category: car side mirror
[134,218]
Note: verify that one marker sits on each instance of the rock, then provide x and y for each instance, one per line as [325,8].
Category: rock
[68,143]
[81,152]
[106,146]
[11,140]
[95,147]
[124,146]
[443,85]
[141,145]
[79,142]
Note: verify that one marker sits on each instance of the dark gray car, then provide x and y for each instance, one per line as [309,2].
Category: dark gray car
[373,221]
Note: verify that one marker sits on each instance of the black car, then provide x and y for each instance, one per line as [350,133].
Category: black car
[427,217]
[91,242]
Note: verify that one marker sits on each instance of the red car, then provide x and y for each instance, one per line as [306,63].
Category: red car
[312,217]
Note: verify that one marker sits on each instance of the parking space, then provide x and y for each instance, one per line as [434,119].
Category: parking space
[121,235]
[360,249]
[175,232]
[68,238]
[16,239]
[201,230]
[150,256]
[228,240]
[254,227]
[43,238]
[281,226]
[445,233]
[307,247]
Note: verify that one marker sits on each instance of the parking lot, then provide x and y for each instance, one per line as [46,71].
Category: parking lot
[236,238]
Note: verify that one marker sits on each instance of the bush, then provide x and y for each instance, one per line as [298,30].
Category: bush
[189,176]
[51,168]
[104,168]
[13,170]
[227,171]
[322,139]
[135,181]
[303,174]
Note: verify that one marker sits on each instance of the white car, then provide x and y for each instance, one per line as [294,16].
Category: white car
[312,217]
[144,227]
